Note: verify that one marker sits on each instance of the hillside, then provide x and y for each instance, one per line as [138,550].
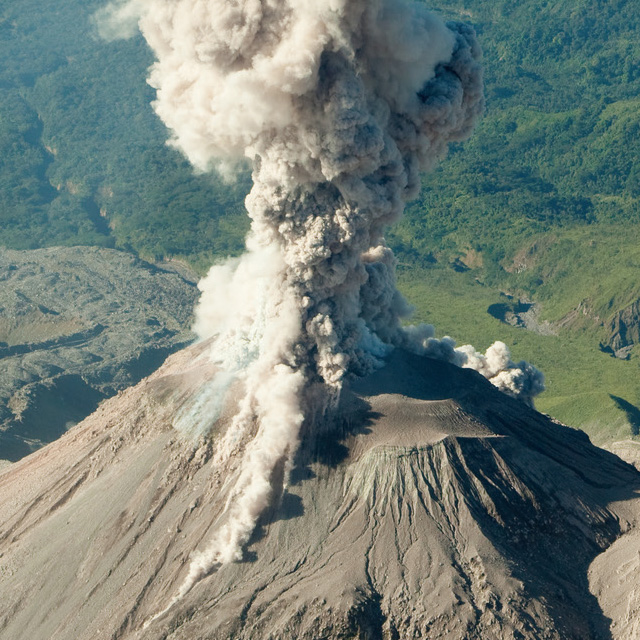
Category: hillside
[85,160]
[541,204]
[544,198]
[439,507]
[77,325]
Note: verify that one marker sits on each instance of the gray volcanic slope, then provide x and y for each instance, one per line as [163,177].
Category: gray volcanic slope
[439,508]
[77,324]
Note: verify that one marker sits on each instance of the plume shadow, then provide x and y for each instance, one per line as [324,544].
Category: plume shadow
[283,506]
[327,445]
[632,412]
[287,507]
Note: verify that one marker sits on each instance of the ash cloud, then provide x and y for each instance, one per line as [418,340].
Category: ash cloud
[520,380]
[338,105]
[118,20]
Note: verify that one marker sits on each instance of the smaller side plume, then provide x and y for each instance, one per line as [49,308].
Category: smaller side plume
[520,380]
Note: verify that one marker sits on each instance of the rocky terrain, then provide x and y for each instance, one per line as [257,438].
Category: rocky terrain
[628,450]
[624,331]
[521,313]
[76,326]
[434,507]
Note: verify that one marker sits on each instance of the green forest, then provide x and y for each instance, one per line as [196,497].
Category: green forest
[84,159]
[540,205]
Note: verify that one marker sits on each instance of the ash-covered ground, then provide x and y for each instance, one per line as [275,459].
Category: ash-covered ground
[437,507]
[77,325]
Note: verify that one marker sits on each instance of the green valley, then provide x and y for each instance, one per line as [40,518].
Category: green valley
[541,205]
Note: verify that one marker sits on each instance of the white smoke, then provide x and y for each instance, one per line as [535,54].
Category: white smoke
[339,105]
[118,20]
[521,380]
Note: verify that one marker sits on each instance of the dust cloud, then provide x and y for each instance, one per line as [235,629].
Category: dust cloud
[338,106]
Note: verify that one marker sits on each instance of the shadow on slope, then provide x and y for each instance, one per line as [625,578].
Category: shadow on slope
[632,412]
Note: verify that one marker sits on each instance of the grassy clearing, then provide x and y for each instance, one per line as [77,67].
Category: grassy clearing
[581,380]
[596,264]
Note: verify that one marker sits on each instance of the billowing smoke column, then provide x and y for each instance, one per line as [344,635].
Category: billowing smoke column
[338,105]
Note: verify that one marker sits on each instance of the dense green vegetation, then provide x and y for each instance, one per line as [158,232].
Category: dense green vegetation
[543,202]
[552,165]
[84,159]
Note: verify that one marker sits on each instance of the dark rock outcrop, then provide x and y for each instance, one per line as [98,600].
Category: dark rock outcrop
[624,331]
[521,313]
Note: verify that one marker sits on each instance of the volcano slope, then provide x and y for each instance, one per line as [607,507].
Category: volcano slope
[435,507]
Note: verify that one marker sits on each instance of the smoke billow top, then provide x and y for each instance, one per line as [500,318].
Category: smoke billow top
[338,105]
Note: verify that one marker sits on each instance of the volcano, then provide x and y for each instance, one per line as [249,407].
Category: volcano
[432,506]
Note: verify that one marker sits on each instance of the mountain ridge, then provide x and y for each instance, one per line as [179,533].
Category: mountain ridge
[433,522]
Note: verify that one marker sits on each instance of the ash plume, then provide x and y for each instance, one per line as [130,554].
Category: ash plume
[338,105]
